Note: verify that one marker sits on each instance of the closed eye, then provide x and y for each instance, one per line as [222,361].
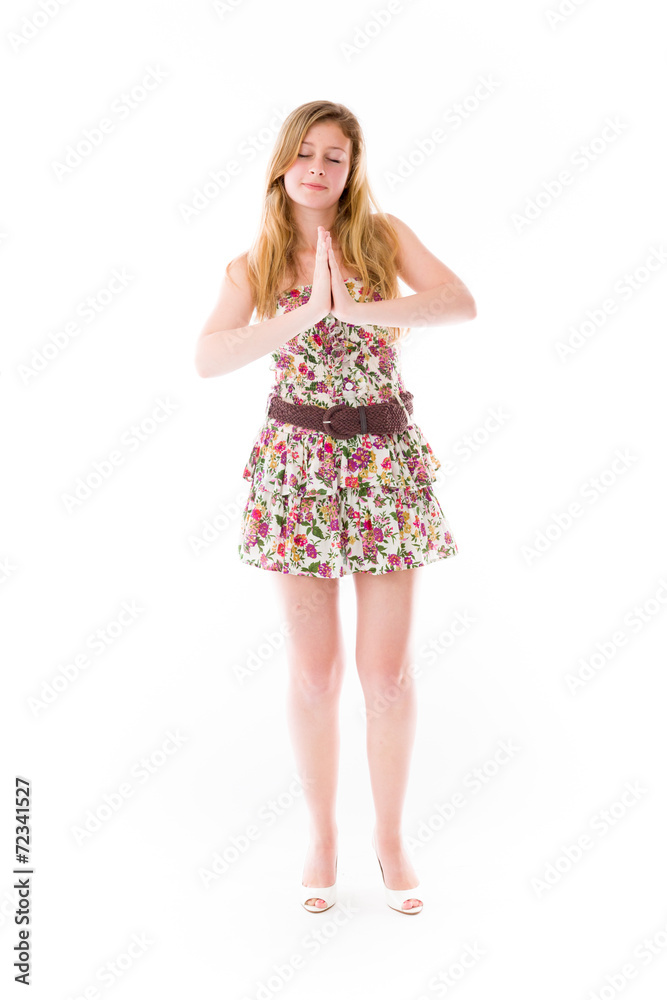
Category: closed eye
[304,156]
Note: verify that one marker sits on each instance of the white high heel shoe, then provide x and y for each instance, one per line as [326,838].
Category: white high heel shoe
[329,893]
[396,897]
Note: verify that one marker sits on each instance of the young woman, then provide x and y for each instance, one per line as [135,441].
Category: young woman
[340,477]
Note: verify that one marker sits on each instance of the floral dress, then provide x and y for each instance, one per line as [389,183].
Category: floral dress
[325,507]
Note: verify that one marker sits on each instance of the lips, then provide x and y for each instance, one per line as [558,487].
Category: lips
[315,187]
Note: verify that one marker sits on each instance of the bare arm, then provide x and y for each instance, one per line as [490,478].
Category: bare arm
[447,302]
[441,296]
[228,342]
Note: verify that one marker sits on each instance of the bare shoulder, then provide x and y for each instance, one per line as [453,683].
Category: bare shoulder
[235,304]
[418,267]
[237,273]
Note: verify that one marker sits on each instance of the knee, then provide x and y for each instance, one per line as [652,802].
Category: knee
[389,681]
[318,681]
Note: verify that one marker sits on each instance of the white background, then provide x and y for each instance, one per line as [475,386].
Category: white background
[225,74]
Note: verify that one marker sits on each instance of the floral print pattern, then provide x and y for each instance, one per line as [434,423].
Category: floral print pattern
[325,507]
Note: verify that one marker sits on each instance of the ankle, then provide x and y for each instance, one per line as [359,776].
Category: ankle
[390,839]
[324,838]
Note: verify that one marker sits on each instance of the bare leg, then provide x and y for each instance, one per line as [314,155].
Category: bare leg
[385,605]
[315,652]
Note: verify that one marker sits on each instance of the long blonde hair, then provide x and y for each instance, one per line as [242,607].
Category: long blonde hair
[368,241]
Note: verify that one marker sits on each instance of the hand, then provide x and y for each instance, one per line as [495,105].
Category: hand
[344,307]
[320,293]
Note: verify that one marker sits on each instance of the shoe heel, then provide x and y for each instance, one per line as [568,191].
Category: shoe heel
[396,897]
[329,893]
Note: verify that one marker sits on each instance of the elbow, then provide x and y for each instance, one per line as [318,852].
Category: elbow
[470,308]
[206,372]
[205,365]
[211,358]
[200,369]
[200,365]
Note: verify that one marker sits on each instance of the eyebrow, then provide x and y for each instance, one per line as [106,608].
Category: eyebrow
[306,143]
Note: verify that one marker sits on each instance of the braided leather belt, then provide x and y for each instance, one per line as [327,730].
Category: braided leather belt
[342,421]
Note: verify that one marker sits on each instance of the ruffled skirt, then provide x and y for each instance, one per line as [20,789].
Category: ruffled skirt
[319,506]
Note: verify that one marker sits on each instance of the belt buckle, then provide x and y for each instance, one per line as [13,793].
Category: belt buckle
[328,419]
